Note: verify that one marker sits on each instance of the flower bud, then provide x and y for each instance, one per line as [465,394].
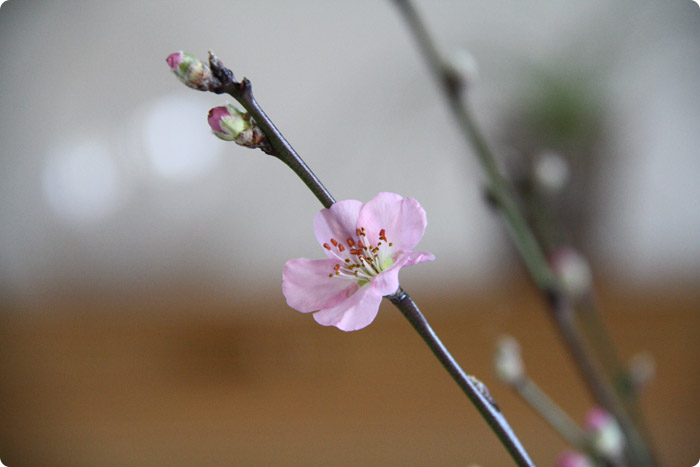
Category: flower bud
[228,123]
[573,459]
[507,361]
[462,69]
[481,387]
[606,437]
[231,124]
[191,71]
[572,270]
[551,172]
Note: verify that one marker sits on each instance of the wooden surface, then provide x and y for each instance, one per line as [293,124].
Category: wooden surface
[131,382]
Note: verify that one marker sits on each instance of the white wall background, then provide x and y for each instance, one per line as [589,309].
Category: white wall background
[110,178]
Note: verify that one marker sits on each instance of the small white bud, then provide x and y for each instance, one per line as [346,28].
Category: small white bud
[507,360]
[572,270]
[462,68]
[551,172]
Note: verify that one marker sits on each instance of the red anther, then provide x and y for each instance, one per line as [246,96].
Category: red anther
[326,246]
[354,251]
[351,242]
[359,232]
[336,267]
[382,233]
[360,244]
[335,243]
[341,247]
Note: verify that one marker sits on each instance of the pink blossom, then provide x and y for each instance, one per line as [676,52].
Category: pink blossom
[366,245]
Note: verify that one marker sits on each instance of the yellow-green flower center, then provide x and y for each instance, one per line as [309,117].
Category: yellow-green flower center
[360,259]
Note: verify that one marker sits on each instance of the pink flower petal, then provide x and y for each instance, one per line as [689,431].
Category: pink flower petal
[338,222]
[307,287]
[339,300]
[403,220]
[355,313]
[387,282]
[415,257]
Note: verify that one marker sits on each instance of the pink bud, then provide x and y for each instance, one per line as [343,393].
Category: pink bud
[229,123]
[215,116]
[175,59]
[191,71]
[573,459]
[597,419]
[605,434]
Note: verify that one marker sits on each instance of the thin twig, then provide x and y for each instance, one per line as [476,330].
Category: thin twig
[481,399]
[563,315]
[242,92]
[524,238]
[548,229]
[551,412]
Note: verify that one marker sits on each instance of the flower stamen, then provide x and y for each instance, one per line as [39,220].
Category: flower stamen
[361,260]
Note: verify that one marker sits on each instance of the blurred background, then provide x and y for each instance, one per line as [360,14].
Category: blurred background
[142,317]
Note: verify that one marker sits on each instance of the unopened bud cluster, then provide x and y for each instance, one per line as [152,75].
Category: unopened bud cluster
[231,124]
[226,121]
[191,71]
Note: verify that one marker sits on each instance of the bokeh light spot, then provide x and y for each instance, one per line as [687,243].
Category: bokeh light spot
[177,139]
[80,181]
